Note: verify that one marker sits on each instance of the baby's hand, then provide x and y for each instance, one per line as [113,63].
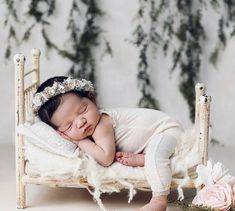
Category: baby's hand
[130,159]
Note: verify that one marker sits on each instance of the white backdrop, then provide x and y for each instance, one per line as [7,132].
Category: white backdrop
[116,76]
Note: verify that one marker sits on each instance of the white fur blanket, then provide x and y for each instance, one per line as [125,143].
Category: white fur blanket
[46,164]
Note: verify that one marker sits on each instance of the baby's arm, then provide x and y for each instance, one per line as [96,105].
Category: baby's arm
[103,149]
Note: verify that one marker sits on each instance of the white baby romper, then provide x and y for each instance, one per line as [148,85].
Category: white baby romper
[148,131]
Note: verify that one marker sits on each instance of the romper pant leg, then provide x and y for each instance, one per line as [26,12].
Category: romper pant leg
[157,162]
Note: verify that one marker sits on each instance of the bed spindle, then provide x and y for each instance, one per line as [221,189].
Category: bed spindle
[35,57]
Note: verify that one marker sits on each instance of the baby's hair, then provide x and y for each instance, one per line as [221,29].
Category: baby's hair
[48,108]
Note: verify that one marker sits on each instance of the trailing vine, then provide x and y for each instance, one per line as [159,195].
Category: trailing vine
[226,26]
[181,21]
[190,34]
[160,23]
[84,36]
[84,66]
[40,16]
[10,19]
[83,40]
[143,38]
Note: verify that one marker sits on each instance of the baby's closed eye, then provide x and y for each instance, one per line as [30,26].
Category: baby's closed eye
[69,127]
[83,109]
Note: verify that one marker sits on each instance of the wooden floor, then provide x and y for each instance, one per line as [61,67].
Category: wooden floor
[42,198]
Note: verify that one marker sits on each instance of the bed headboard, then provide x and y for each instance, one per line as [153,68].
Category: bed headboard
[23,111]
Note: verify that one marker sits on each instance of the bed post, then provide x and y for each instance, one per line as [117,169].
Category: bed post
[202,104]
[204,127]
[19,61]
[35,56]
[199,91]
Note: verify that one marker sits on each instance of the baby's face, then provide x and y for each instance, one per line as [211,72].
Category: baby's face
[76,117]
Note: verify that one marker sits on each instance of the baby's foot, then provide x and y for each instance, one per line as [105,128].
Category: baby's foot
[130,159]
[156,204]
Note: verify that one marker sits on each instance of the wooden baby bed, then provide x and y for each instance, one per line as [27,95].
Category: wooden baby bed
[23,96]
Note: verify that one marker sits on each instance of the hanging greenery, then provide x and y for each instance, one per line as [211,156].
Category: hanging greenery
[35,12]
[40,16]
[226,26]
[190,34]
[83,40]
[180,22]
[174,27]
[143,39]
[10,19]
[84,36]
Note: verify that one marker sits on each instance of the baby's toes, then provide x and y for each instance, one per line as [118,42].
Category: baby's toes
[121,154]
[126,162]
[118,154]
[118,159]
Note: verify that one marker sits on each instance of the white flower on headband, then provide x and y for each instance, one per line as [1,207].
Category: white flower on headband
[37,100]
[70,83]
[60,88]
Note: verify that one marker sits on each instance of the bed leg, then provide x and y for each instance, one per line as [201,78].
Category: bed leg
[20,185]
[20,169]
[21,196]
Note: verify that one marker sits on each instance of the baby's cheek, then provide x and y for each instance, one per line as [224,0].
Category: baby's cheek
[77,135]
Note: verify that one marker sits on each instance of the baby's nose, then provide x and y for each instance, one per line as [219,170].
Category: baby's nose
[82,122]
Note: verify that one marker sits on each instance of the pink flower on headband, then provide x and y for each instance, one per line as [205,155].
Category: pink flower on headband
[218,196]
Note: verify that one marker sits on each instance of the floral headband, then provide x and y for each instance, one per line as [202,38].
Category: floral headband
[60,88]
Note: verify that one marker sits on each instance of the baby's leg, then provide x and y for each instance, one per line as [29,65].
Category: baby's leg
[130,159]
[158,172]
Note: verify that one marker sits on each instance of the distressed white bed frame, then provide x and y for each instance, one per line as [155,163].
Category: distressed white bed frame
[23,96]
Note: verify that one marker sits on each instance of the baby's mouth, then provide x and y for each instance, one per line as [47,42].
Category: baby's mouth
[88,128]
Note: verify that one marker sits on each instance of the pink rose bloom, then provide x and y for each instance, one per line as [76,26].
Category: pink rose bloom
[218,196]
[233,194]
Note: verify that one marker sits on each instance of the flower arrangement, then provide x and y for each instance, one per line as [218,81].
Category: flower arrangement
[218,196]
[218,192]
